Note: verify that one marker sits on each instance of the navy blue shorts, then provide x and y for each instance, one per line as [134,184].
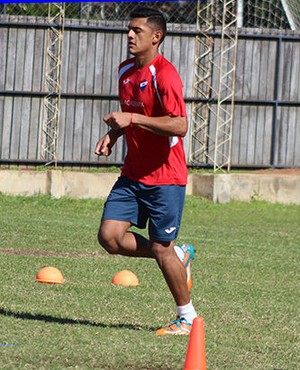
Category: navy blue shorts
[137,203]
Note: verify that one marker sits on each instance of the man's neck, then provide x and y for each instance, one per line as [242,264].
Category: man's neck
[142,61]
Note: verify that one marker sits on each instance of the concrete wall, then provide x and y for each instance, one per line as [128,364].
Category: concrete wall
[219,188]
[222,188]
[57,183]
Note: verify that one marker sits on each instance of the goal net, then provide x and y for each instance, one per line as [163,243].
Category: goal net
[266,14]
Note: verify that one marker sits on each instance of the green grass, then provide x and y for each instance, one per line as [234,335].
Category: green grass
[246,286]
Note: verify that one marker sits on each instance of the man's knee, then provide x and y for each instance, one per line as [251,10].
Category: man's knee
[111,235]
[162,251]
[107,240]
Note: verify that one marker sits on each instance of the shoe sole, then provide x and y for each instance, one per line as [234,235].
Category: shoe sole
[175,333]
[189,279]
[187,259]
[187,263]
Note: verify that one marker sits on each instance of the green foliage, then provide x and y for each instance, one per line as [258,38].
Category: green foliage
[246,276]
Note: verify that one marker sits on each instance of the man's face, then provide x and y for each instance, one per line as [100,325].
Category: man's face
[141,36]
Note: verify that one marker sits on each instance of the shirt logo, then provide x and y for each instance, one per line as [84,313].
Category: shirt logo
[143,84]
[126,81]
[170,230]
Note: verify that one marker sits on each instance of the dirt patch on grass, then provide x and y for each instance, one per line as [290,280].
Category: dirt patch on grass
[28,252]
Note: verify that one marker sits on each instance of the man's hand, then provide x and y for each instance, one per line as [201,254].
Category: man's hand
[117,120]
[104,145]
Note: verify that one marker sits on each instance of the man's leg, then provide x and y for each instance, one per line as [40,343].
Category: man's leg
[173,271]
[116,239]
[175,276]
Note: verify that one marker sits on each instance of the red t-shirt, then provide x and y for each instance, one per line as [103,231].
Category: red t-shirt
[154,90]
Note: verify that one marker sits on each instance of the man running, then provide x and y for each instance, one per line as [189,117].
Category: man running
[152,184]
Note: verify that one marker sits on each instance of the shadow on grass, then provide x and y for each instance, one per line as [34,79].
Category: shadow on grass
[67,321]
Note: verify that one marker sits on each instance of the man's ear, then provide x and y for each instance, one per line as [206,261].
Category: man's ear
[157,37]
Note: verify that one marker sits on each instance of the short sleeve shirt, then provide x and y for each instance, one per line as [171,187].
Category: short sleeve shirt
[154,90]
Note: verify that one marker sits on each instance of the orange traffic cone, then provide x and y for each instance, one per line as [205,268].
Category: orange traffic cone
[196,354]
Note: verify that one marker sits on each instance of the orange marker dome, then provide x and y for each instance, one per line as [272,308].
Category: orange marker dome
[50,275]
[125,278]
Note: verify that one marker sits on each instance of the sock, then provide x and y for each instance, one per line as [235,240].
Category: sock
[179,252]
[187,311]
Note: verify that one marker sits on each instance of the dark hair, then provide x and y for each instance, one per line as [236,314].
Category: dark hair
[153,16]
